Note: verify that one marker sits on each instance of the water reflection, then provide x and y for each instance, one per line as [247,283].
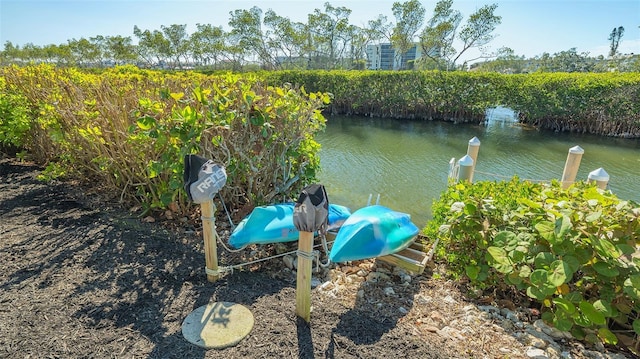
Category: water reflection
[406,162]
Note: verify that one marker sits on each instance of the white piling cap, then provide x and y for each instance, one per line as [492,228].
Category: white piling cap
[474,141]
[576,150]
[466,161]
[599,175]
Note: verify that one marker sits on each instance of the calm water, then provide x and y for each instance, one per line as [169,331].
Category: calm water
[407,162]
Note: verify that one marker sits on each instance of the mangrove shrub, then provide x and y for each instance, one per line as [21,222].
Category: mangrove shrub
[573,252]
[127,130]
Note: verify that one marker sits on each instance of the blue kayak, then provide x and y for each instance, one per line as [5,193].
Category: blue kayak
[274,224]
[371,232]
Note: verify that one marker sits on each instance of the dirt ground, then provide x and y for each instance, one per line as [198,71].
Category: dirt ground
[83,278]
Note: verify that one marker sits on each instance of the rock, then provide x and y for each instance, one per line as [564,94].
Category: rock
[437,317]
[403,310]
[507,325]
[362,273]
[315,282]
[288,261]
[422,299]
[377,276]
[326,286]
[431,328]
[536,342]
[553,352]
[489,308]
[536,353]
[388,291]
[548,330]
[360,294]
[539,334]
[508,314]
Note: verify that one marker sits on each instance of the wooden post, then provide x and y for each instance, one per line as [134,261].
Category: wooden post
[472,151]
[208,231]
[600,176]
[303,282]
[465,168]
[571,166]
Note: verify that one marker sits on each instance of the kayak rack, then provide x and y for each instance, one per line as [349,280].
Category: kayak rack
[413,258]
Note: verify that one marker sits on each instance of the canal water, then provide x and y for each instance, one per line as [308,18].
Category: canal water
[407,162]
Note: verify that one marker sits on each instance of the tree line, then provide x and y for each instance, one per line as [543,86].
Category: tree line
[264,39]
[259,39]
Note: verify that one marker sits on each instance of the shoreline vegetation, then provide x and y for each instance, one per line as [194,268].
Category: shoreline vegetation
[130,128]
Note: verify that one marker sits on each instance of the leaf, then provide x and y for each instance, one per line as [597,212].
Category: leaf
[546,230]
[607,336]
[559,273]
[562,227]
[625,248]
[503,238]
[592,314]
[636,326]
[525,272]
[470,209]
[593,216]
[536,293]
[603,307]
[177,95]
[563,324]
[605,269]
[574,297]
[514,278]
[564,305]
[472,271]
[543,259]
[632,286]
[145,123]
[605,248]
[572,262]
[498,255]
[539,277]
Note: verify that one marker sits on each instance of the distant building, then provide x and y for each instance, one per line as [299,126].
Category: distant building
[383,57]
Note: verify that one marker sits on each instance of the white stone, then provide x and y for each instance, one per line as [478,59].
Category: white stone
[536,353]
[326,286]
[389,291]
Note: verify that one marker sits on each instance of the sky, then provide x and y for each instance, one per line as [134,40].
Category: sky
[529,27]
